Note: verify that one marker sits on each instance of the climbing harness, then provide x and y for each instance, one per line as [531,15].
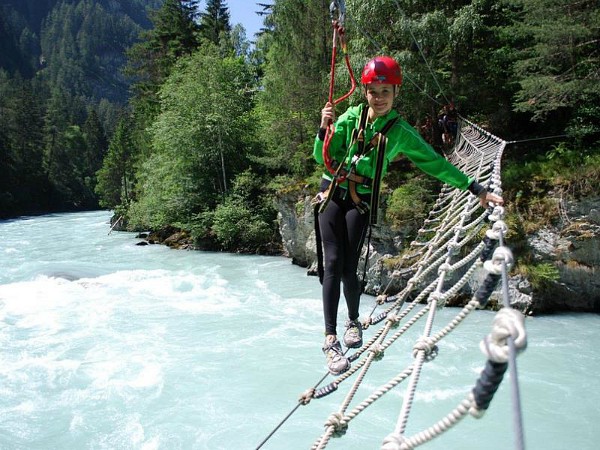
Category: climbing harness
[378,143]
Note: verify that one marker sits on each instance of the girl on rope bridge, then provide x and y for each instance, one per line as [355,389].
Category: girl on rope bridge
[364,141]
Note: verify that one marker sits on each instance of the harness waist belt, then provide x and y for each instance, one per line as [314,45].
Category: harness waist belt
[352,176]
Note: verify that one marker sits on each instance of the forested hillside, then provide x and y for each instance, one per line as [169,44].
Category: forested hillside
[216,127]
[62,90]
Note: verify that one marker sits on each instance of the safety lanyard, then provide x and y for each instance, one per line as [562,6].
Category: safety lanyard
[337,10]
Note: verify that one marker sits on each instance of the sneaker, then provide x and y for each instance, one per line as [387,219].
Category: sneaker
[337,363]
[353,334]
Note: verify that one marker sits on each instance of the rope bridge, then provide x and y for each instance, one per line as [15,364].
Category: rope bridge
[445,255]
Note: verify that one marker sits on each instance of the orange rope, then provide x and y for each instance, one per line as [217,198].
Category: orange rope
[338,34]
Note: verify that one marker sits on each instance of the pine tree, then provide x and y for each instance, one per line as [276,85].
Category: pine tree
[8,164]
[297,53]
[215,21]
[95,150]
[173,35]
[115,178]
[558,66]
[21,119]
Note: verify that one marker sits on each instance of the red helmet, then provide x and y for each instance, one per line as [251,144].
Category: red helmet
[382,70]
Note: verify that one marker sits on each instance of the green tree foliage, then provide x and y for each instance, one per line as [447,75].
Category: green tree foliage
[150,61]
[245,219]
[214,22]
[172,36]
[96,146]
[557,69]
[115,177]
[19,46]
[23,183]
[296,53]
[410,203]
[239,42]
[83,47]
[449,52]
[68,162]
[61,62]
[199,139]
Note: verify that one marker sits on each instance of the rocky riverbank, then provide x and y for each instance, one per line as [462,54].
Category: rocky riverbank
[572,247]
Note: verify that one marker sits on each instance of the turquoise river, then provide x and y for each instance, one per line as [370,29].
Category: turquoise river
[105,344]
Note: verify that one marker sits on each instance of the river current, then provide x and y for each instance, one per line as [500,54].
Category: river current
[105,344]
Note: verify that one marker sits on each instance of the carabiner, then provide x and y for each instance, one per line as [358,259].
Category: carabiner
[338,7]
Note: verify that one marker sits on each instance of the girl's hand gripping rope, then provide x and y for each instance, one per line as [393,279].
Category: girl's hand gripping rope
[486,197]
[327,115]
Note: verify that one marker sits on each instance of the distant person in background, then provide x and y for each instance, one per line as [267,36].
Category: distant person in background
[367,139]
[426,130]
[449,124]
[452,120]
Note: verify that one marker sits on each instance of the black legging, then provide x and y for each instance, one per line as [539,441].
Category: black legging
[343,230]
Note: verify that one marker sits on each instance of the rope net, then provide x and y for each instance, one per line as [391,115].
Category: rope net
[448,250]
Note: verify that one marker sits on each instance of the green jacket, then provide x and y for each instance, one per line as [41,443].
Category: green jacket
[402,139]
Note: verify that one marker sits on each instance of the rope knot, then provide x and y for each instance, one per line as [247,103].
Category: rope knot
[426,345]
[439,298]
[445,267]
[500,225]
[336,420]
[500,255]
[380,299]
[507,323]
[393,319]
[394,441]
[307,396]
[377,350]
[497,213]
[434,296]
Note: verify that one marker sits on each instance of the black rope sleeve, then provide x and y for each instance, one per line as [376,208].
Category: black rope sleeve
[326,390]
[487,287]
[375,320]
[488,250]
[488,383]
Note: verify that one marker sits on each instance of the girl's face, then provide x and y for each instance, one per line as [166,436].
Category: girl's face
[380,98]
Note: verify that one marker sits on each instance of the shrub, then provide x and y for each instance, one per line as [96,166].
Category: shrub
[540,275]
[236,227]
[410,203]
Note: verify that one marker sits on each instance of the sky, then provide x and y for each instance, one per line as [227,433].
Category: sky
[244,12]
